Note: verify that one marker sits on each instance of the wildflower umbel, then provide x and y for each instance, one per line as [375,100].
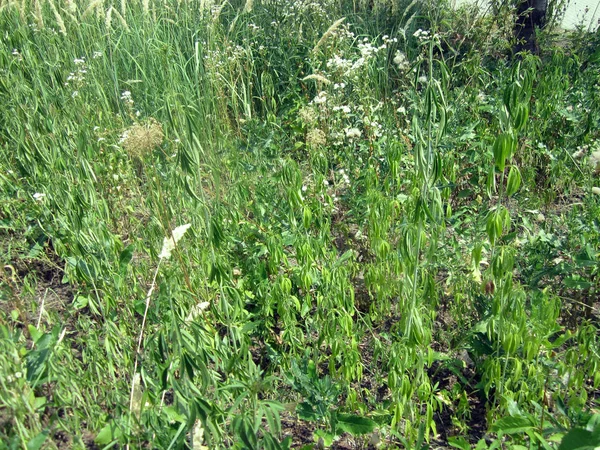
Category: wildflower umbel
[141,138]
[316,138]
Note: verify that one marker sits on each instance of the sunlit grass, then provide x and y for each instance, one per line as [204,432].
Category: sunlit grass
[391,227]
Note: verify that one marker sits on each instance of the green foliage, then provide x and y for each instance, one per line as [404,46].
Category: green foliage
[238,225]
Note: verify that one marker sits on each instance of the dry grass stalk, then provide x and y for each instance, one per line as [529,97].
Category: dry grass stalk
[100,11]
[4,5]
[39,19]
[217,12]
[71,6]
[146,6]
[318,78]
[123,9]
[8,3]
[121,19]
[91,7]
[59,20]
[328,33]
[108,20]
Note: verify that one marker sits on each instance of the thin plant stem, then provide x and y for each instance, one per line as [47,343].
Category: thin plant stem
[141,336]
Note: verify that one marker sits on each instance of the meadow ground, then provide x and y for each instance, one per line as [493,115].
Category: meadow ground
[307,224]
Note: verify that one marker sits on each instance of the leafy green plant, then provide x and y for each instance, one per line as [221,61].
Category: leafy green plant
[320,397]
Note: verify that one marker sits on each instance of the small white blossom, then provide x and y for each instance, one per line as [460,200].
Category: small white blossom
[401,61]
[126,97]
[321,98]
[39,196]
[353,133]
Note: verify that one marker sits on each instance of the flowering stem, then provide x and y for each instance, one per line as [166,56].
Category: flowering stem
[141,336]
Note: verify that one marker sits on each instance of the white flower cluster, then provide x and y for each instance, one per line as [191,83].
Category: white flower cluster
[352,133]
[344,108]
[126,97]
[124,136]
[401,61]
[320,99]
[339,64]
[296,8]
[422,35]
[316,138]
[77,77]
[375,127]
[344,178]
[17,55]
[308,115]
[367,49]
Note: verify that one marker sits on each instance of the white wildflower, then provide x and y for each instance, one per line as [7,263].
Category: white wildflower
[401,61]
[596,190]
[126,97]
[321,98]
[401,110]
[353,133]
[39,196]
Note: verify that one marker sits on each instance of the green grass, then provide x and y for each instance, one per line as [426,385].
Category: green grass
[393,237]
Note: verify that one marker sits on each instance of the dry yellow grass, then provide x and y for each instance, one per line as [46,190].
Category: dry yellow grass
[334,26]
[141,138]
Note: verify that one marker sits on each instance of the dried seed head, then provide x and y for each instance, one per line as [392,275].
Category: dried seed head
[141,138]
[316,138]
